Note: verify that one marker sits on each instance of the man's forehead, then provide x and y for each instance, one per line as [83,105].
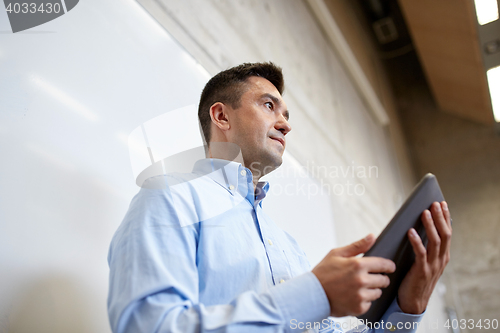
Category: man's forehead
[260,86]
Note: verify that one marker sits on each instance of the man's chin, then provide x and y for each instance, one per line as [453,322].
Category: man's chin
[273,163]
[263,166]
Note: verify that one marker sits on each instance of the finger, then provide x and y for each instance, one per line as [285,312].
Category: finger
[365,306]
[358,247]
[442,228]
[370,295]
[446,212]
[447,215]
[432,234]
[377,281]
[418,247]
[378,265]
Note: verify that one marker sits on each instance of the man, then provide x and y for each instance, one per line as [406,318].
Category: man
[196,253]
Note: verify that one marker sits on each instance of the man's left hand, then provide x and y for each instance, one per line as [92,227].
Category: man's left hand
[416,288]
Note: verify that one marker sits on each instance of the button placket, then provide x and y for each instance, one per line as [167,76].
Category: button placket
[277,261]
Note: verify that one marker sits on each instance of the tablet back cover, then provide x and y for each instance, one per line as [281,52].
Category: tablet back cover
[393,242]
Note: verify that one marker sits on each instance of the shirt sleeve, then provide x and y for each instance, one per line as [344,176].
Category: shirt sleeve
[154,281]
[395,320]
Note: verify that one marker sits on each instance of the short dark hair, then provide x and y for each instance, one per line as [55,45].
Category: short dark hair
[228,86]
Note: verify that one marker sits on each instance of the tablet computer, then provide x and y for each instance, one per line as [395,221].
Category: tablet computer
[393,242]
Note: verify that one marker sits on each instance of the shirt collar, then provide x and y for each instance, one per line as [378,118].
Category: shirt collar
[261,190]
[227,173]
[223,172]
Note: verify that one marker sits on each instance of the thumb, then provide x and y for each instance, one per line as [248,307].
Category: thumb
[360,246]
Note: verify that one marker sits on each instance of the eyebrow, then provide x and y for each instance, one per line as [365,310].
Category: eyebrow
[276,100]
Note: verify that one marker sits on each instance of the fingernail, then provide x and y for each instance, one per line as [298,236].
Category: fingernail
[438,207]
[445,205]
[368,237]
[413,233]
[427,214]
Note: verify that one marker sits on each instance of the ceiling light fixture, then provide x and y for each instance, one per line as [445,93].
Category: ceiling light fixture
[486,11]
[493,75]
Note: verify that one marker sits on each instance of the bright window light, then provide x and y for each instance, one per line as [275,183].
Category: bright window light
[494,83]
[486,11]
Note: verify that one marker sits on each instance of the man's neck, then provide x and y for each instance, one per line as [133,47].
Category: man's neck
[231,152]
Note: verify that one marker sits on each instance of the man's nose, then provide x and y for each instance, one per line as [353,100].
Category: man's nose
[283,125]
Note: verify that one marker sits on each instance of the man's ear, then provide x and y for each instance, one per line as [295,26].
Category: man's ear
[219,116]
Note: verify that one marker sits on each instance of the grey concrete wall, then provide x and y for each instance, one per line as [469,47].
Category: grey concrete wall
[332,127]
[465,157]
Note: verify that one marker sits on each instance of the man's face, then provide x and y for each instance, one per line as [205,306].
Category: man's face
[259,125]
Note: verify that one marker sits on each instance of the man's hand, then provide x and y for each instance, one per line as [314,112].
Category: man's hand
[418,284]
[352,283]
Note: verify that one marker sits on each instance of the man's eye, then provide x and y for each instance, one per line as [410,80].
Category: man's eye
[269,105]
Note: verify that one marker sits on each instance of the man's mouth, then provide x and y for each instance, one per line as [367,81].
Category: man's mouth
[280,140]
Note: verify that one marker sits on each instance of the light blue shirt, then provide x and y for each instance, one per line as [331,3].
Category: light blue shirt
[196,253]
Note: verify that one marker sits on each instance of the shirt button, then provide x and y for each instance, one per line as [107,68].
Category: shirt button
[243,173]
[231,187]
[270,242]
[281,281]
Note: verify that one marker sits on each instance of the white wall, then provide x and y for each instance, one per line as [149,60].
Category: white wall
[71,91]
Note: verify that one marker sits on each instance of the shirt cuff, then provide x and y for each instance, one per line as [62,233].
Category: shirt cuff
[301,300]
[400,322]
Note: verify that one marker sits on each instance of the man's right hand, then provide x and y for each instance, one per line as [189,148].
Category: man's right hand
[352,283]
